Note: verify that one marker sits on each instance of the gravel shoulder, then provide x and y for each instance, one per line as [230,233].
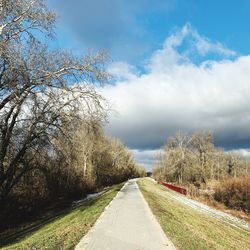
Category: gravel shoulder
[192,225]
[217,214]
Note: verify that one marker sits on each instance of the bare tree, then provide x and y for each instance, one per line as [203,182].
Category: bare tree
[233,160]
[203,144]
[39,89]
[194,159]
[177,149]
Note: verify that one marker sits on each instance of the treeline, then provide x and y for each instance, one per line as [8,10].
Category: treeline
[193,159]
[78,160]
[52,142]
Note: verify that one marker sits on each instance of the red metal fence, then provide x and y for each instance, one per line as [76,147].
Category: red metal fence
[175,188]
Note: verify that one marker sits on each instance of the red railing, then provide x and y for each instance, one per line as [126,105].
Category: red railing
[175,188]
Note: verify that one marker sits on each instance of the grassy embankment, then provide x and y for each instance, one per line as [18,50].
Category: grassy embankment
[187,227]
[63,231]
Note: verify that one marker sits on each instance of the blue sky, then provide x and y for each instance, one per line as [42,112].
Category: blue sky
[131,30]
[178,65]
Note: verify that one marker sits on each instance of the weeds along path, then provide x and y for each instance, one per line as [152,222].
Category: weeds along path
[227,218]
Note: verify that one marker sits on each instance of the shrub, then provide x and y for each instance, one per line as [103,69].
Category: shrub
[234,192]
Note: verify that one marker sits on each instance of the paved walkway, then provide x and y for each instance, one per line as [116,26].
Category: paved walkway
[126,224]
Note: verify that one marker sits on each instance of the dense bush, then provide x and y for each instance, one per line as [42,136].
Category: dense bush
[234,192]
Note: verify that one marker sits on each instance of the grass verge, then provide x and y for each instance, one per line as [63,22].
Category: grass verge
[63,231]
[188,228]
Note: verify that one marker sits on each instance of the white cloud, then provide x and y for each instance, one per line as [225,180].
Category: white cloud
[205,46]
[145,157]
[243,152]
[123,71]
[169,55]
[176,93]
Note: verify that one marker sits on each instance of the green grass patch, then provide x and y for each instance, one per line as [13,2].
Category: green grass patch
[63,231]
[188,228]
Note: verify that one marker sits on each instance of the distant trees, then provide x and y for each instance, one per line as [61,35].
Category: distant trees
[194,159]
[92,157]
[50,112]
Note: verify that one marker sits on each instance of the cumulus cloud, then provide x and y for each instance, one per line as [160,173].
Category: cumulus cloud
[123,71]
[174,51]
[244,152]
[175,93]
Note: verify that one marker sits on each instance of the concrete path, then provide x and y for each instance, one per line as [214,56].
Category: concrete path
[126,224]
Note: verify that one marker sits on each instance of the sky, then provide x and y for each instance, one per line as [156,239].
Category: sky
[177,65]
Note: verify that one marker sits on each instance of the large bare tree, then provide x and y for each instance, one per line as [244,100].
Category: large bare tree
[40,89]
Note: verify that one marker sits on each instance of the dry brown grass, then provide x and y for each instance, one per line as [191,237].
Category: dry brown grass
[207,195]
[234,192]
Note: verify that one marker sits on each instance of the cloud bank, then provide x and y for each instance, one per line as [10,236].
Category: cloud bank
[190,84]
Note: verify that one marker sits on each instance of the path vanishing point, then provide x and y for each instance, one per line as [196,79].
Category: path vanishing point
[126,224]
